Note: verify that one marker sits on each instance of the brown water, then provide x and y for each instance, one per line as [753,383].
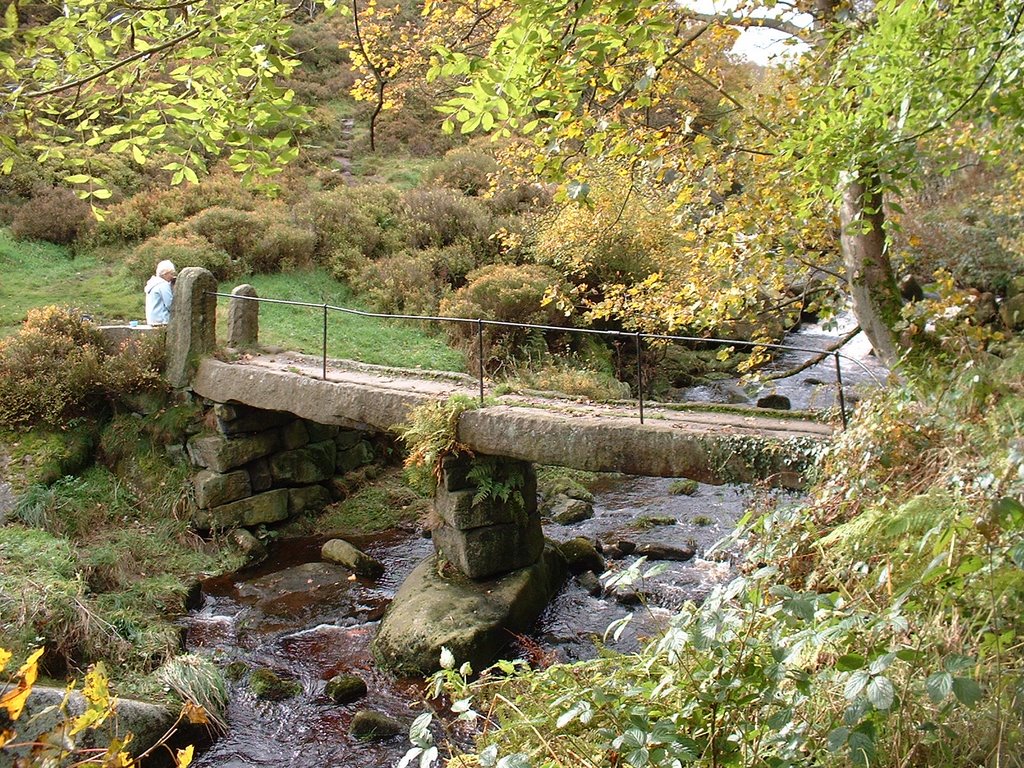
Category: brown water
[309,620]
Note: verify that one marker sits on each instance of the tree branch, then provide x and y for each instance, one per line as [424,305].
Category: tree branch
[748,22]
[115,66]
[843,341]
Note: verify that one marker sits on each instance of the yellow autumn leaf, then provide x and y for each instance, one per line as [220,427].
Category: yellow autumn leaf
[5,657]
[14,700]
[194,713]
[184,757]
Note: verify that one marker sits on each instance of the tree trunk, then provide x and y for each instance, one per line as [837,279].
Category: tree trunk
[873,288]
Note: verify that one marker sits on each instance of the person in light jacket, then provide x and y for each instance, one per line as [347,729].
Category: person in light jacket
[160,294]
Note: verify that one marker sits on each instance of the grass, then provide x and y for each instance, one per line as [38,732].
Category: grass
[36,274]
[405,344]
[372,507]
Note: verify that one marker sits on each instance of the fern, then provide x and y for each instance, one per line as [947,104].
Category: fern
[497,481]
[431,434]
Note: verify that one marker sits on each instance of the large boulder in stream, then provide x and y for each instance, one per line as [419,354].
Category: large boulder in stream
[441,607]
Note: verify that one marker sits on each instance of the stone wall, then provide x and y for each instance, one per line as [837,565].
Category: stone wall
[259,467]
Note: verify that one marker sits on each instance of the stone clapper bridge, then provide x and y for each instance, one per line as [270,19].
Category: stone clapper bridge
[505,572]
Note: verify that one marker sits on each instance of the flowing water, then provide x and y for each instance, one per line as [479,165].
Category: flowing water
[309,620]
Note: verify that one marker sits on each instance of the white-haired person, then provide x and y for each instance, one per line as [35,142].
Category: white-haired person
[160,294]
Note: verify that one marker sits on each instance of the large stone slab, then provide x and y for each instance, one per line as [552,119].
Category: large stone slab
[243,317]
[484,552]
[235,419]
[312,464]
[222,454]
[269,507]
[308,498]
[471,619]
[214,488]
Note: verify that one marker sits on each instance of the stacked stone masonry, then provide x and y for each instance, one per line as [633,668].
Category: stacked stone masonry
[490,537]
[261,467]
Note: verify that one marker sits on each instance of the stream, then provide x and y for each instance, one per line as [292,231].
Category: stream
[308,620]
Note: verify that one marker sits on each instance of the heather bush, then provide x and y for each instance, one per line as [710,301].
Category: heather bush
[55,215]
[353,224]
[509,293]
[402,283]
[466,169]
[440,217]
[283,243]
[518,198]
[147,212]
[452,263]
[55,369]
[415,128]
[185,249]
[229,229]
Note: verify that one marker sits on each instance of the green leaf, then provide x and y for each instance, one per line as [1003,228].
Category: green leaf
[855,684]
[938,685]
[881,693]
[837,738]
[850,662]
[966,690]
[11,18]
[101,194]
[1010,513]
[447,658]
[517,760]
[862,748]
[78,178]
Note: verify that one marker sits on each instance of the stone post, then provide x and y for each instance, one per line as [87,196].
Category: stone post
[490,537]
[192,331]
[243,318]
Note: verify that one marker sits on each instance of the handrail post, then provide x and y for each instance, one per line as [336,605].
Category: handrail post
[839,388]
[325,343]
[480,355]
[639,377]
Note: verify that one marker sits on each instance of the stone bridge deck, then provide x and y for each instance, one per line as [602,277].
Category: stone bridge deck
[713,446]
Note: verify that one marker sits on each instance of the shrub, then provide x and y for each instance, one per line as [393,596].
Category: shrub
[283,242]
[508,293]
[229,229]
[440,217]
[55,215]
[185,249]
[144,214]
[452,263]
[403,283]
[55,369]
[352,225]
[519,198]
[466,169]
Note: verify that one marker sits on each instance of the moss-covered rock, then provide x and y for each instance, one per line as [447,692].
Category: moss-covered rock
[341,689]
[270,686]
[581,555]
[438,606]
[368,725]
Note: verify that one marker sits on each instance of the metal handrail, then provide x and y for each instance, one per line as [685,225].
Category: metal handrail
[637,336]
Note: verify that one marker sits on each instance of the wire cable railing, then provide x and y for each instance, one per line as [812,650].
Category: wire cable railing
[637,337]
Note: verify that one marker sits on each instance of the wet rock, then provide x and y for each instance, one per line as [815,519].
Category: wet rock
[214,488]
[252,548]
[319,432]
[270,686]
[581,555]
[269,507]
[683,487]
[567,511]
[236,670]
[985,309]
[235,419]
[454,473]
[342,689]
[1012,312]
[347,438]
[259,476]
[222,454]
[660,551]
[776,402]
[653,521]
[910,289]
[312,464]
[341,552]
[370,725]
[294,435]
[194,596]
[590,583]
[147,722]
[810,381]
[349,458]
[487,551]
[438,606]
[309,498]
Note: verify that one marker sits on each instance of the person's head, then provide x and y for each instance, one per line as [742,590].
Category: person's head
[167,270]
